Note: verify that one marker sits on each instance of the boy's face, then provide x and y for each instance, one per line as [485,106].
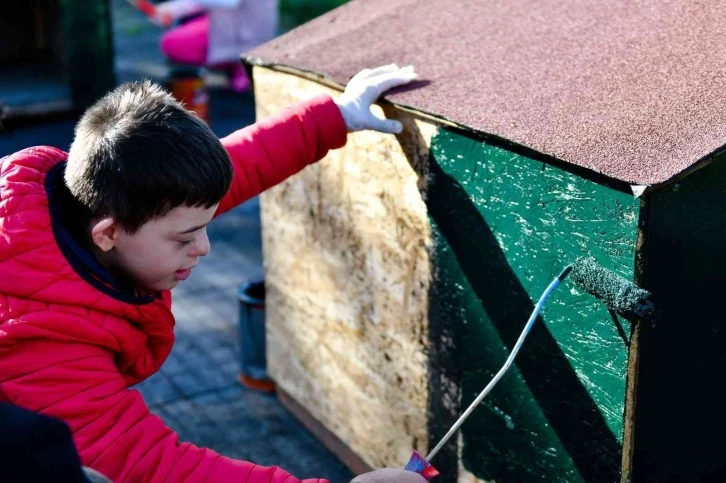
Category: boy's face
[162,252]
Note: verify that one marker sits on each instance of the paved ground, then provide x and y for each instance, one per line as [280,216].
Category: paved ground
[196,391]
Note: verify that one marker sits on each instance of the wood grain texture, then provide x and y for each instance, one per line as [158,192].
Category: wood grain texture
[341,450]
[346,249]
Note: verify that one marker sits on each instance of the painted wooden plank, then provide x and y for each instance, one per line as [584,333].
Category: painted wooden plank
[680,421]
[505,226]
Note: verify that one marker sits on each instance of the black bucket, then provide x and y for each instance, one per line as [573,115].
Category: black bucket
[253,358]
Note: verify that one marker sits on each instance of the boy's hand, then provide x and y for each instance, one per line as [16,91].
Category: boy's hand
[389,475]
[364,89]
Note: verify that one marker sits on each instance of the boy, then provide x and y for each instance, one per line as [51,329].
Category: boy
[92,241]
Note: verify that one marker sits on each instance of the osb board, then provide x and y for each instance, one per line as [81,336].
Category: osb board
[346,249]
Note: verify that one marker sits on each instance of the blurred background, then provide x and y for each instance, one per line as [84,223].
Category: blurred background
[60,55]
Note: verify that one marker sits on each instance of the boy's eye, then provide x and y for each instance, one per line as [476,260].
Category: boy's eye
[188,242]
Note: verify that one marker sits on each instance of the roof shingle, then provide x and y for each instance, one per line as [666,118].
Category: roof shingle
[633,90]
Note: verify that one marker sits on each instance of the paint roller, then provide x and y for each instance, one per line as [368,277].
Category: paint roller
[619,295]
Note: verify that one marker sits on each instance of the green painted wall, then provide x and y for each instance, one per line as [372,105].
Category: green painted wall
[505,225]
[680,416]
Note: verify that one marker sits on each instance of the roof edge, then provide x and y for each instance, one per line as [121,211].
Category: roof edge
[587,173]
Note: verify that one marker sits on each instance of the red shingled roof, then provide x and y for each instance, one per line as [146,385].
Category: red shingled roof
[633,90]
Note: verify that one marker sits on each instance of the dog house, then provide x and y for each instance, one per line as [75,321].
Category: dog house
[400,270]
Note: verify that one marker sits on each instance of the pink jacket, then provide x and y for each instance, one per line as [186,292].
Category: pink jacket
[70,350]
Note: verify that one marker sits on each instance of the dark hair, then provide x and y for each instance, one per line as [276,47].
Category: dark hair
[138,153]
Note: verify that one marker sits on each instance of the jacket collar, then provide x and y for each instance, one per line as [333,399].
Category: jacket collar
[75,250]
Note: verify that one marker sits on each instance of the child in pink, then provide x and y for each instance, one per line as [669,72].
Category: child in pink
[92,241]
[226,30]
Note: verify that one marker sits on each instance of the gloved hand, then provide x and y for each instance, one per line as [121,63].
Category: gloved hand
[389,475]
[364,89]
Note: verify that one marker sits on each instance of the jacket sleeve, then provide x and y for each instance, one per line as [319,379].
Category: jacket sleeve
[268,152]
[112,428]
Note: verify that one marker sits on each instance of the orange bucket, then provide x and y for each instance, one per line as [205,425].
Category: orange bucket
[187,86]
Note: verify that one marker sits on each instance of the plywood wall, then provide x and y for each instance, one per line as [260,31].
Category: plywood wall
[435,237]
[346,248]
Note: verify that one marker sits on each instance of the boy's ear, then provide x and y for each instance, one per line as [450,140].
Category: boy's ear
[105,233]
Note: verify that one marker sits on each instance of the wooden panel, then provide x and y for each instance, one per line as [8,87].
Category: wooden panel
[360,337]
[346,248]
[341,450]
[680,419]
[505,226]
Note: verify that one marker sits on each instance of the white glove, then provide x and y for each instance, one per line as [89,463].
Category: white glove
[364,89]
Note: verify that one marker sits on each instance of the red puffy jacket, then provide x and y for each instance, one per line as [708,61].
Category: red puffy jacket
[70,350]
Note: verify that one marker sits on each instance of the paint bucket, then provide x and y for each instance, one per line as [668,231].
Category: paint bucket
[186,84]
[252,336]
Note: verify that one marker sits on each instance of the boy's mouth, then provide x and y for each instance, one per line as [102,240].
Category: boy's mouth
[183,274]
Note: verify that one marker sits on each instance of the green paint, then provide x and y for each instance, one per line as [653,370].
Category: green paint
[89,44]
[618,293]
[680,417]
[505,226]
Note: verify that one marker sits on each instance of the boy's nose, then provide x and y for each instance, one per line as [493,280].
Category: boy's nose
[202,246]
